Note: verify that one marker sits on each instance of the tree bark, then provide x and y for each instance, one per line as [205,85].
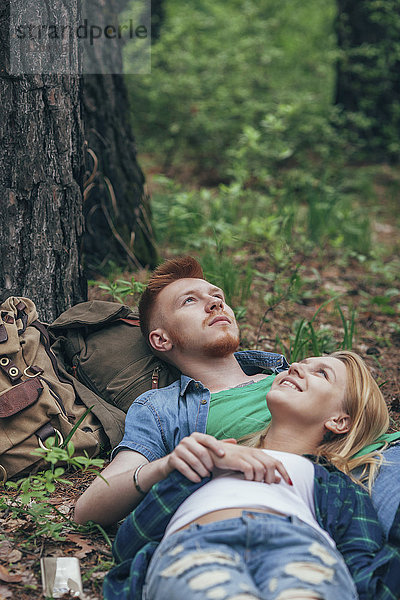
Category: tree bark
[116,207]
[368,72]
[41,175]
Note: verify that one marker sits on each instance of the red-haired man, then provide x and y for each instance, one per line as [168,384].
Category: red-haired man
[221,394]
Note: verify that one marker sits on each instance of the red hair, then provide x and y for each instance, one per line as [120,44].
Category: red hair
[170,271]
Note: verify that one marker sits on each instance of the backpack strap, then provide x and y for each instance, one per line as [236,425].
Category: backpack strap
[3,333]
[22,315]
[45,339]
[135,322]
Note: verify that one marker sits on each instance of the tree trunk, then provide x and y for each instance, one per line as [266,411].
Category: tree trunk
[157,18]
[116,208]
[368,73]
[41,158]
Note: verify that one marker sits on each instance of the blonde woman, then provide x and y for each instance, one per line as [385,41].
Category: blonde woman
[311,532]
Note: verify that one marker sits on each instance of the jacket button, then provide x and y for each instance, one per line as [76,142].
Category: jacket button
[204,401]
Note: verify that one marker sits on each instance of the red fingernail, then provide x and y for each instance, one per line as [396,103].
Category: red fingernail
[290,481]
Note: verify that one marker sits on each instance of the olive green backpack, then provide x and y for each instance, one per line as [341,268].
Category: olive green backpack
[100,348]
[36,401]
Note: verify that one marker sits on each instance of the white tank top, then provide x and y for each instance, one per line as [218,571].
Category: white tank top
[231,490]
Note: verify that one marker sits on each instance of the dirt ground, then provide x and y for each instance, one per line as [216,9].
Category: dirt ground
[377,339]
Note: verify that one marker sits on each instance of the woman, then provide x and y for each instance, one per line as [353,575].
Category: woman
[299,537]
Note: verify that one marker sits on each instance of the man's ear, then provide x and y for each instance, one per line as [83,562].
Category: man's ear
[159,340]
[340,424]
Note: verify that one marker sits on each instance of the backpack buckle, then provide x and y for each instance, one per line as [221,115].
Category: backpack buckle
[36,371]
[3,474]
[57,436]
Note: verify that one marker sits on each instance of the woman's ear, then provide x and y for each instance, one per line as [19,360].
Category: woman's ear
[159,340]
[339,425]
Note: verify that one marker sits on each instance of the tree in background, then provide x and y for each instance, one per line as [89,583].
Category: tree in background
[368,73]
[116,208]
[157,18]
[41,177]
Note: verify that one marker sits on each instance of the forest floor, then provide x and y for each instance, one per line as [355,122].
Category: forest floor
[377,339]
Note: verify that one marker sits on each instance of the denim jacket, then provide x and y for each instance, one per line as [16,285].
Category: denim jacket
[158,419]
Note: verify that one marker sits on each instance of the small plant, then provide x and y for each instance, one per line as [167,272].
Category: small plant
[120,289]
[307,340]
[284,288]
[348,328]
[31,501]
[235,279]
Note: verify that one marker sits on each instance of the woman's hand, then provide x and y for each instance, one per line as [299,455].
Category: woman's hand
[255,464]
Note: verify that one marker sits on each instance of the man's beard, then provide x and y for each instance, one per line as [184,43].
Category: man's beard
[220,348]
[223,347]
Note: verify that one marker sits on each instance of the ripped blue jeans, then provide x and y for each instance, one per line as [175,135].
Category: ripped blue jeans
[256,556]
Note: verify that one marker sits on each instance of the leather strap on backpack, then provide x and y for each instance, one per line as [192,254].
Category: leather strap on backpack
[3,333]
[10,369]
[22,316]
[47,430]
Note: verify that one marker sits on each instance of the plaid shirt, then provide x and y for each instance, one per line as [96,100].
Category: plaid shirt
[342,508]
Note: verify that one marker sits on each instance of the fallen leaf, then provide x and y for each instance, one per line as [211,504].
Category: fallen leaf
[99,574]
[28,578]
[14,556]
[5,549]
[8,554]
[66,507]
[79,540]
[5,592]
[17,524]
[8,577]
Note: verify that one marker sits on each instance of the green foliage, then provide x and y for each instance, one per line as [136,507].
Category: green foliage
[243,91]
[309,340]
[120,289]
[220,66]
[234,279]
[369,76]
[306,211]
[33,491]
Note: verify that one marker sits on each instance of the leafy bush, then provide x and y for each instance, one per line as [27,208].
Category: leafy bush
[220,66]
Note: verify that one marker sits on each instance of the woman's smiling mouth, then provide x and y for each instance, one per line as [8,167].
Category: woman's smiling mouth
[291,384]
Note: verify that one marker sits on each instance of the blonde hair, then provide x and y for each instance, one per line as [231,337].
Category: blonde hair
[365,405]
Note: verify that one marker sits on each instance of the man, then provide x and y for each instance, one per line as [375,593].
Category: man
[188,323]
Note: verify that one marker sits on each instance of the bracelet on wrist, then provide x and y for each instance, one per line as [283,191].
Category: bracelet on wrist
[135,479]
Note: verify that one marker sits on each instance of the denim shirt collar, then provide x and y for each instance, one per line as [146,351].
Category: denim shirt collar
[251,361]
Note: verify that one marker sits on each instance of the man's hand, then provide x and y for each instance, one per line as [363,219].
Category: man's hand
[255,464]
[198,454]
[194,455]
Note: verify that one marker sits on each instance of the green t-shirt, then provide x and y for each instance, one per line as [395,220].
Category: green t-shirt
[238,411]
